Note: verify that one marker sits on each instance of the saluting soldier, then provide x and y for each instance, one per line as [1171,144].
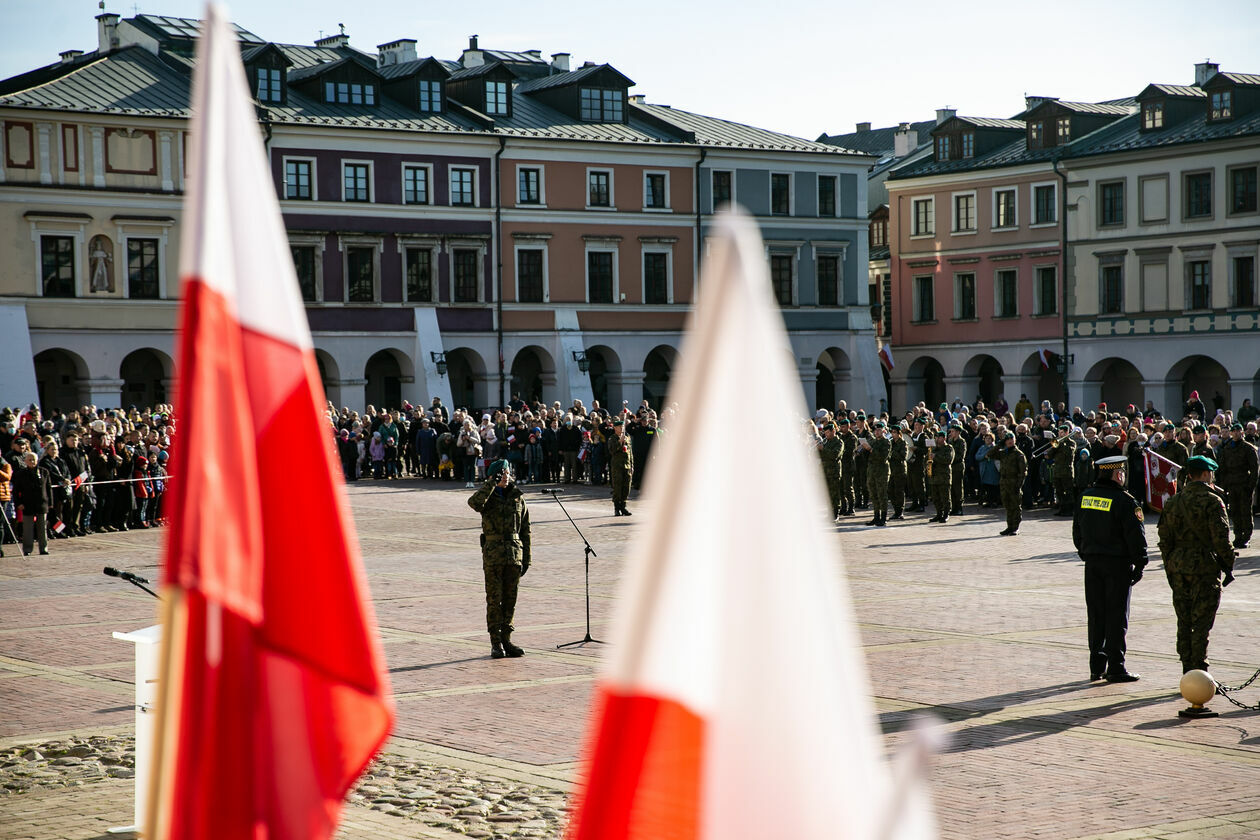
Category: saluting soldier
[878,448]
[620,466]
[860,457]
[831,453]
[956,440]
[940,476]
[1062,464]
[846,466]
[1237,474]
[897,452]
[1108,533]
[1012,469]
[916,465]
[1194,541]
[505,552]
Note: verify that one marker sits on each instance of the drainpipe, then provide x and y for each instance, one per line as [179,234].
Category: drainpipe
[1063,280]
[695,280]
[498,250]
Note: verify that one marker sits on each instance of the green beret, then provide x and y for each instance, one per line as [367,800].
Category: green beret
[829,427]
[954,424]
[900,427]
[879,424]
[939,433]
[944,405]
[1200,430]
[843,421]
[619,422]
[861,415]
[1008,436]
[496,467]
[1236,427]
[1200,462]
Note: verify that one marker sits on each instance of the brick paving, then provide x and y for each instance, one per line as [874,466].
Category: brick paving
[985,632]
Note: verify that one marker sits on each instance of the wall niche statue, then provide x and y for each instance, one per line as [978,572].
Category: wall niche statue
[101,263]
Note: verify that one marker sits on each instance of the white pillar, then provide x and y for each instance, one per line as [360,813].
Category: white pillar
[353,394]
[1166,396]
[962,387]
[44,130]
[625,385]
[809,385]
[98,155]
[1239,390]
[164,158]
[104,393]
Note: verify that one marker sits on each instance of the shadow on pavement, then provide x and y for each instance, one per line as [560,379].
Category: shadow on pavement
[428,665]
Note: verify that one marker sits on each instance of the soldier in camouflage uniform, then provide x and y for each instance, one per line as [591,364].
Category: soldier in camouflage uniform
[1237,474]
[1194,540]
[1171,448]
[860,457]
[847,466]
[916,465]
[504,552]
[877,472]
[620,467]
[1062,462]
[897,470]
[830,453]
[940,476]
[960,468]
[1012,469]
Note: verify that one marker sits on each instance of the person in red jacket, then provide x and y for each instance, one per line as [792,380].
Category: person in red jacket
[141,490]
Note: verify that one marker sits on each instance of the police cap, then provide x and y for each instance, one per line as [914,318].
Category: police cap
[1115,462]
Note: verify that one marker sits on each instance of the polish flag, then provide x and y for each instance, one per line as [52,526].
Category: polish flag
[274,695]
[1044,355]
[734,702]
[886,357]
[59,526]
[79,479]
[1161,479]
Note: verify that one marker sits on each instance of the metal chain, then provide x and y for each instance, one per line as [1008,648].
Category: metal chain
[1224,690]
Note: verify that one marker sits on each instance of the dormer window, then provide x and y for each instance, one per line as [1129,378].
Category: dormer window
[430,96]
[1152,115]
[942,148]
[1222,105]
[969,144]
[1035,134]
[347,93]
[602,105]
[269,84]
[1063,129]
[497,98]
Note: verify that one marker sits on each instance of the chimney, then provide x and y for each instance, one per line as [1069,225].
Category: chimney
[70,55]
[534,54]
[943,114]
[1204,71]
[106,32]
[636,98]
[472,56]
[905,140]
[1031,102]
[560,62]
[863,127]
[341,39]
[396,52]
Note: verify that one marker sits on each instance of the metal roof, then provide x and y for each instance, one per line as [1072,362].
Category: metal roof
[991,122]
[570,78]
[184,28]
[711,131]
[1127,134]
[128,81]
[1178,90]
[1116,109]
[1239,78]
[877,141]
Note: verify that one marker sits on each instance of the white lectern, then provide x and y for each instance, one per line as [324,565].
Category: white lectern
[147,642]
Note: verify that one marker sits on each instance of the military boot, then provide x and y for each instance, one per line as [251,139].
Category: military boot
[625,511]
[896,514]
[510,649]
[616,509]
[874,518]
[496,648]
[882,518]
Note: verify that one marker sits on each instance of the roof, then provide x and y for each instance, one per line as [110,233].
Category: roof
[571,78]
[1127,134]
[162,26]
[128,81]
[1237,78]
[991,122]
[408,68]
[876,141]
[1177,90]
[1112,108]
[480,70]
[711,131]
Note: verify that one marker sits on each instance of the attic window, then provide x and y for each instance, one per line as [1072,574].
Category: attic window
[1035,134]
[269,86]
[1222,107]
[942,148]
[346,93]
[1152,115]
[1063,129]
[497,99]
[602,105]
[430,97]
[968,144]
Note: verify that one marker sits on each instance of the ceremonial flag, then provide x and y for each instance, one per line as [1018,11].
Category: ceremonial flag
[1161,478]
[734,702]
[886,357]
[1043,355]
[273,693]
[79,479]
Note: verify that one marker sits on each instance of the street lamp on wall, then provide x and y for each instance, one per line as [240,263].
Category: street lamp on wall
[439,361]
[583,363]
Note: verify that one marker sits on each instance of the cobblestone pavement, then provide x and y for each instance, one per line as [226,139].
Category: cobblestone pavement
[984,632]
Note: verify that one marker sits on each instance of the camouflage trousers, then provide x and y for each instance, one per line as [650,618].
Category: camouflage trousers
[846,485]
[1240,516]
[501,563]
[834,492]
[1195,599]
[956,489]
[940,498]
[621,478]
[860,485]
[897,490]
[1065,493]
[877,488]
[1012,496]
[916,488]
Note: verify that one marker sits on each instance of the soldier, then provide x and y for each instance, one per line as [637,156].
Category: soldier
[1012,468]
[1200,445]
[1194,541]
[831,453]
[504,552]
[956,440]
[1063,459]
[877,449]
[916,465]
[940,476]
[1237,474]
[1108,534]
[860,457]
[897,470]
[847,467]
[620,466]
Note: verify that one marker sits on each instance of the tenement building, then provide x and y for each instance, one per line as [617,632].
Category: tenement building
[471,228]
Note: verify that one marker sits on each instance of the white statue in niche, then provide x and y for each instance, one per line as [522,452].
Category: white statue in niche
[101,259]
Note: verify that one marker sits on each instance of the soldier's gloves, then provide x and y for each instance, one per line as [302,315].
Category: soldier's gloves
[1229,578]
[524,567]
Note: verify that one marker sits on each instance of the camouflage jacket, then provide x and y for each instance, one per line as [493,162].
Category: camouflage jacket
[942,459]
[897,456]
[830,453]
[1173,451]
[1194,532]
[504,515]
[1237,461]
[620,453]
[918,457]
[850,447]
[1062,456]
[878,455]
[960,456]
[1012,465]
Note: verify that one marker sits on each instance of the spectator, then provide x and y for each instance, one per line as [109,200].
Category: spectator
[32,496]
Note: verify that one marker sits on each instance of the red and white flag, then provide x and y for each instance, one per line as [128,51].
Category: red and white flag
[886,357]
[79,479]
[58,526]
[734,701]
[1161,478]
[274,695]
[1044,355]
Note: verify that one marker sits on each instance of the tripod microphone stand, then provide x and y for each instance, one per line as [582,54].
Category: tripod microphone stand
[588,554]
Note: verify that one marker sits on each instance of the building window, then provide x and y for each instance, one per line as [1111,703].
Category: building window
[142,269]
[1222,105]
[599,276]
[969,144]
[1200,284]
[304,267]
[415,185]
[1198,191]
[529,185]
[879,233]
[466,274]
[430,97]
[355,179]
[942,147]
[1152,115]
[1112,289]
[462,182]
[1063,130]
[924,299]
[346,93]
[1244,281]
[655,191]
[826,195]
[781,278]
[924,216]
[361,275]
[1035,134]
[965,297]
[964,212]
[268,85]
[1047,290]
[1006,294]
[780,194]
[600,105]
[599,189]
[57,265]
[297,179]
[497,99]
[828,267]
[655,277]
[1242,190]
[419,288]
[529,275]
[1111,203]
[721,189]
[1004,208]
[1044,204]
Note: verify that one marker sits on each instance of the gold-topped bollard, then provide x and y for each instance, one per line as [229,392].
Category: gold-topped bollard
[1198,687]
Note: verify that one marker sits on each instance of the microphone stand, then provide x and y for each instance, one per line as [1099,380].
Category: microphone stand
[132,579]
[588,554]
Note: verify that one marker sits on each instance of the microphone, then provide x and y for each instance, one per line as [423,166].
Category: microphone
[127,576]
[551,492]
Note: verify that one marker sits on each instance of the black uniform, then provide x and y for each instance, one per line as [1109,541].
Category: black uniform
[1109,536]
